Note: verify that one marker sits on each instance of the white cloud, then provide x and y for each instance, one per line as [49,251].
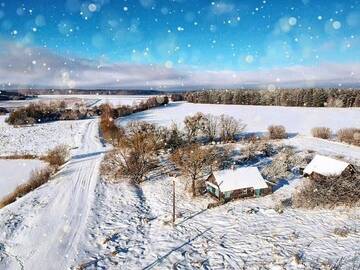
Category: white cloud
[33,67]
[220,8]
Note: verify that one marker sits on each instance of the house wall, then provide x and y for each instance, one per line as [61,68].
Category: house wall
[235,194]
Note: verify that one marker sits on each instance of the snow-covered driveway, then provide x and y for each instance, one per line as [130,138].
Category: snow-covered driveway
[42,230]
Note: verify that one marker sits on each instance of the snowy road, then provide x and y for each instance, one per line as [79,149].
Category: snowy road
[42,230]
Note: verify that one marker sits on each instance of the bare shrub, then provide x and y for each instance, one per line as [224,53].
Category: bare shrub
[257,148]
[321,132]
[329,192]
[349,135]
[57,156]
[343,232]
[20,156]
[230,127]
[38,178]
[277,132]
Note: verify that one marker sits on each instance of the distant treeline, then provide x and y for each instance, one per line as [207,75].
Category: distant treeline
[6,95]
[87,92]
[291,97]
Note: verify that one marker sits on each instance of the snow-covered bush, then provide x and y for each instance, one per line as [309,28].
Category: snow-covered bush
[257,148]
[321,132]
[38,178]
[283,164]
[277,132]
[349,135]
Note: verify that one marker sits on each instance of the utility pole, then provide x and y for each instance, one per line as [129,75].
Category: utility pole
[173,219]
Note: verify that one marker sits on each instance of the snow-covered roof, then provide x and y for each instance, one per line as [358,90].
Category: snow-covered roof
[247,177]
[326,166]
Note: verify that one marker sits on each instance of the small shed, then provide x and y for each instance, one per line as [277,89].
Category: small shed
[237,183]
[322,166]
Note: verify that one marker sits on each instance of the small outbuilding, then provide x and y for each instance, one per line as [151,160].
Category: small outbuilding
[322,166]
[237,183]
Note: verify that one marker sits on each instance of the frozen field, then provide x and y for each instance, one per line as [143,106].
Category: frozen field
[258,118]
[16,172]
[38,139]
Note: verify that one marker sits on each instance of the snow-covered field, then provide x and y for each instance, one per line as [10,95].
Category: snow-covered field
[257,118]
[16,172]
[38,139]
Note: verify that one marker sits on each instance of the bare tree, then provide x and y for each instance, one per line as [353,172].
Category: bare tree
[193,125]
[211,126]
[136,154]
[194,162]
[230,127]
[174,137]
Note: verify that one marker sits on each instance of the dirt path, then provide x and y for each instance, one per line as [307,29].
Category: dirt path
[42,230]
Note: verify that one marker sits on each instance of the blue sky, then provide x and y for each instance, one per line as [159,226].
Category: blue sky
[183,36]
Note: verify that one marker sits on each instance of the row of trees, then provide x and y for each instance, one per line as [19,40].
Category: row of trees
[42,112]
[211,127]
[313,97]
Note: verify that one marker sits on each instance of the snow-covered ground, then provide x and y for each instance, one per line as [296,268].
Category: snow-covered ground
[38,139]
[258,118]
[326,147]
[129,229]
[42,229]
[16,172]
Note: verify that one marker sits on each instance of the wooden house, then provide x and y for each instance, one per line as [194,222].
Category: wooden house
[237,183]
[322,166]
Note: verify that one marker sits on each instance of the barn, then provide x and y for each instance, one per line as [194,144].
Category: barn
[322,166]
[237,183]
